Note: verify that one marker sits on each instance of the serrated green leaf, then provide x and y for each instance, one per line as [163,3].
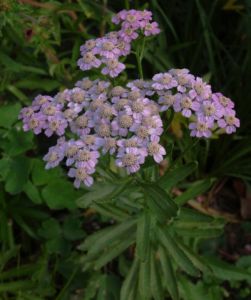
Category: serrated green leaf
[114,252]
[116,232]
[225,271]
[111,211]
[197,188]
[175,251]
[101,193]
[160,203]
[199,233]
[169,278]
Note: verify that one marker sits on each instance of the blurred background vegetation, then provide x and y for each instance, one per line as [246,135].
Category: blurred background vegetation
[40,224]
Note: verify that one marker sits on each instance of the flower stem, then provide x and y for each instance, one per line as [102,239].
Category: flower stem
[139,57]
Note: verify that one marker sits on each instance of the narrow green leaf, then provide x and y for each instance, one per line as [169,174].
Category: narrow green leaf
[225,271]
[197,188]
[144,279]
[175,251]
[116,232]
[171,178]
[111,211]
[155,278]
[16,286]
[196,259]
[113,252]
[143,236]
[101,193]
[129,284]
[169,277]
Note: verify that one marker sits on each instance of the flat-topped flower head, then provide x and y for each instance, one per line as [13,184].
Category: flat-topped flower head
[97,117]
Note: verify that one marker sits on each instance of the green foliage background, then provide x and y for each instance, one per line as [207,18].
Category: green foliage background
[42,220]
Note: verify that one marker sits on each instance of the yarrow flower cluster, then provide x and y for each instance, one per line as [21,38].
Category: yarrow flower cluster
[106,51]
[95,118]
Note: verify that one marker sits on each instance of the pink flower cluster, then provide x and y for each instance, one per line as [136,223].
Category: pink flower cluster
[193,98]
[95,118]
[107,50]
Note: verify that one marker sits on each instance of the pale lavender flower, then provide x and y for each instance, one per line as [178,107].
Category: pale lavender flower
[36,123]
[92,142]
[71,150]
[138,109]
[54,156]
[226,103]
[167,100]
[82,125]
[130,159]
[151,29]
[124,47]
[201,128]
[183,78]
[229,123]
[156,150]
[55,125]
[200,90]
[185,105]
[211,110]
[128,35]
[89,61]
[109,145]
[113,67]
[81,175]
[26,113]
[62,97]
[163,81]
[107,48]
[88,46]
[87,159]
[85,83]
[121,124]
[40,100]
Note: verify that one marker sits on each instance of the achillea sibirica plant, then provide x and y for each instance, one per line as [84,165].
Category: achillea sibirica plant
[97,117]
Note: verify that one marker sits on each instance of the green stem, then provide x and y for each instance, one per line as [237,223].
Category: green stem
[73,274]
[139,57]
[127,4]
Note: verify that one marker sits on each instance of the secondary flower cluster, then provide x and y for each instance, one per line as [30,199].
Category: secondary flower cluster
[95,118]
[193,98]
[107,50]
